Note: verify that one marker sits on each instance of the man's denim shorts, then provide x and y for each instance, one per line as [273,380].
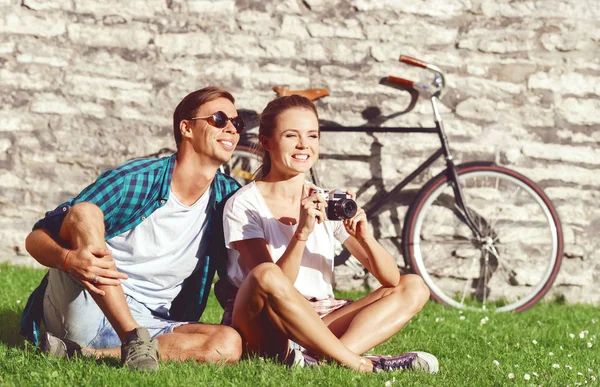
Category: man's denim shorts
[71,312]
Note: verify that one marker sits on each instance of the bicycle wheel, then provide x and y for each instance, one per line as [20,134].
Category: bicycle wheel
[510,266]
[245,161]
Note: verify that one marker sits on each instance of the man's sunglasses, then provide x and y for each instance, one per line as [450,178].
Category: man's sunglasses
[219,120]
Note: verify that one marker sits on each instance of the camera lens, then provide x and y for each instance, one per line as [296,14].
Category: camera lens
[345,208]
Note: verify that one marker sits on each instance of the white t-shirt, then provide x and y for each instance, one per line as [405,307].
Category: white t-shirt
[161,252]
[246,216]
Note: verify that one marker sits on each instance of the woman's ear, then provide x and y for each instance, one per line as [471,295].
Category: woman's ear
[264,142]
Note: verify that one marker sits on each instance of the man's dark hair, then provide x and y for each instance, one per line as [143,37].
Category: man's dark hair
[188,107]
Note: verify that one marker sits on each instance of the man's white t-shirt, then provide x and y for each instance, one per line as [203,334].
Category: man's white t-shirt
[246,216]
[161,252]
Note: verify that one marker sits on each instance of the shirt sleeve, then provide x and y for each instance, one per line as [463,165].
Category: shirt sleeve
[105,192]
[339,232]
[241,221]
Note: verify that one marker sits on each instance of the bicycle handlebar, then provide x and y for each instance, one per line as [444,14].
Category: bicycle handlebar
[412,61]
[400,81]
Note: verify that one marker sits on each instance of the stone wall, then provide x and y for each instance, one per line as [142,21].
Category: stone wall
[88,84]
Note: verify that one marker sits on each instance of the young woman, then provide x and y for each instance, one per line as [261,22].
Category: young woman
[281,253]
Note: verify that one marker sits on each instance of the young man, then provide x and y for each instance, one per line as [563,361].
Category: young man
[132,257]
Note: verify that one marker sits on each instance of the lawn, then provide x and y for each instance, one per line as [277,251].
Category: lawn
[551,344]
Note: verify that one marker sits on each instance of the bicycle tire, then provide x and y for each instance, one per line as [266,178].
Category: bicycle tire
[515,263]
[245,161]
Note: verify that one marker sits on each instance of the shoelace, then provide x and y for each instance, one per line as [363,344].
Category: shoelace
[394,363]
[140,348]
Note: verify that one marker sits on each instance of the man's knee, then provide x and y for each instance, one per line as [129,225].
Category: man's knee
[229,344]
[84,210]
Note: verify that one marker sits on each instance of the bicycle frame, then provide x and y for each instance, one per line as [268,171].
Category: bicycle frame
[443,151]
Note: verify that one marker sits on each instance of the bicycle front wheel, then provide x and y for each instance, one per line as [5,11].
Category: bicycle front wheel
[509,264]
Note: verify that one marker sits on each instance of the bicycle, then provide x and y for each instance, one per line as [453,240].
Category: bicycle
[480,235]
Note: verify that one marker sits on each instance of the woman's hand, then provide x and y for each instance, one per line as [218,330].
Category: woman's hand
[93,266]
[357,226]
[312,211]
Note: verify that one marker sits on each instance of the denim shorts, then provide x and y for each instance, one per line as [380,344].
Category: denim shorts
[70,312]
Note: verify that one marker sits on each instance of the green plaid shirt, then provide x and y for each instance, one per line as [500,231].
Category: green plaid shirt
[127,195]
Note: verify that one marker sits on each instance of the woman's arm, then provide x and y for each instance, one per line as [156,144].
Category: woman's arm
[369,252]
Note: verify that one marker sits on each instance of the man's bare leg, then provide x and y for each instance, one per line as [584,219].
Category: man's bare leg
[204,343]
[268,310]
[83,227]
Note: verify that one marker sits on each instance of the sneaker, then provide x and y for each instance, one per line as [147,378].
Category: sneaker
[140,351]
[411,360]
[54,346]
[297,358]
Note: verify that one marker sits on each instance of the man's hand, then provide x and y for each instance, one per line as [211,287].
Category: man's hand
[94,266]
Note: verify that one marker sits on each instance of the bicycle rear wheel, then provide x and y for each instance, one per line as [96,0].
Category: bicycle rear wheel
[510,266]
[245,161]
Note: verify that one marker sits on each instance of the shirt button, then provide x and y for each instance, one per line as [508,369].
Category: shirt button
[162,201]
[64,209]
[143,218]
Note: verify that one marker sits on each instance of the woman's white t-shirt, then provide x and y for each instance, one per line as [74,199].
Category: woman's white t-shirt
[246,216]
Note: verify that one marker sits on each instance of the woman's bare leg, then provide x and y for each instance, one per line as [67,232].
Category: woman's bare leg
[268,310]
[378,316]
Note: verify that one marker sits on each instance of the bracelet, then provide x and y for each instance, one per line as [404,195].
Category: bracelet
[65,261]
[298,238]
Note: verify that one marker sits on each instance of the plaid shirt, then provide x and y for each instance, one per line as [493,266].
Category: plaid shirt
[127,195]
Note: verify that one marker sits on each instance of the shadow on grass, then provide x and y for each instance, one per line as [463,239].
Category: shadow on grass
[10,321]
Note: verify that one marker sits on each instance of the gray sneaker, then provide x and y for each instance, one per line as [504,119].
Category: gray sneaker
[140,351]
[411,360]
[57,347]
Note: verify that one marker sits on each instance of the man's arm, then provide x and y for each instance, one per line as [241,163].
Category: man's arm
[87,257]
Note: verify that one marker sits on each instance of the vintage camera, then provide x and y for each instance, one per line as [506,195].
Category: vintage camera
[339,204]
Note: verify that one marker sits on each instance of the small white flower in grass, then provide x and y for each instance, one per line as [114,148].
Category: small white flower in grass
[18,301]
[511,376]
[526,377]
[555,365]
[462,317]
[550,353]
[468,356]
[437,319]
[516,366]
[589,345]
[539,323]
[579,374]
[572,335]
[590,370]
[496,363]
[593,321]
[483,321]
[534,341]
[569,355]
[593,377]
[582,334]
[568,367]
[388,383]
[460,312]
[489,343]
[561,348]
[535,374]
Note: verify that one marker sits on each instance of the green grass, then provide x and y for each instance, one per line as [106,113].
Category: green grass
[465,347]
